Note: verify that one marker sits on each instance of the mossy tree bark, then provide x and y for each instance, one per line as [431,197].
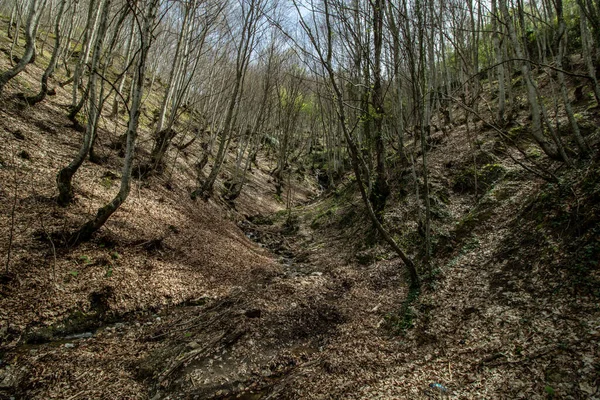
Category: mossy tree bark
[381,189]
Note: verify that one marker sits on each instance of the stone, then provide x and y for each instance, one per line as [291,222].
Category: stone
[192,345]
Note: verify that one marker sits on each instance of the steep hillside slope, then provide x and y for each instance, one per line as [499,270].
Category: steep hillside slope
[178,299]
[160,250]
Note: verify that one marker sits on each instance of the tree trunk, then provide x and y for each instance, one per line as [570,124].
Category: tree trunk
[34,13]
[562,48]
[65,176]
[589,55]
[536,123]
[381,190]
[326,63]
[501,114]
[104,213]
[251,16]
[32,100]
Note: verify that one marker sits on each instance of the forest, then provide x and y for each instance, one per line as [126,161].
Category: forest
[299,199]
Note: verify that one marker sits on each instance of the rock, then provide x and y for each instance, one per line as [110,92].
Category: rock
[439,387]
[8,379]
[69,345]
[192,345]
[84,335]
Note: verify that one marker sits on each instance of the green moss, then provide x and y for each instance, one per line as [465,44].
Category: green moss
[476,217]
[534,152]
[486,177]
[399,323]
[106,182]
[517,132]
[325,214]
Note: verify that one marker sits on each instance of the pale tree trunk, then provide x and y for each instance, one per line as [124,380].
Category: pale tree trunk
[326,62]
[381,189]
[128,55]
[174,71]
[86,43]
[50,19]
[589,55]
[18,10]
[53,59]
[446,110]
[93,156]
[562,48]
[536,122]
[104,213]
[422,86]
[11,20]
[64,179]
[501,114]
[591,10]
[254,143]
[246,43]
[36,7]
[65,51]
[396,60]
[183,73]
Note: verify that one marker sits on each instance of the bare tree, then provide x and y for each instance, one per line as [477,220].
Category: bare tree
[53,59]
[322,48]
[36,7]
[146,24]
[251,15]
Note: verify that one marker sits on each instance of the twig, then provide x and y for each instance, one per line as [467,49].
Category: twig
[76,395]
[12,217]
[49,237]
[277,389]
[189,356]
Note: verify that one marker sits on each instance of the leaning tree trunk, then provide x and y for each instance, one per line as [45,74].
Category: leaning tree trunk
[64,179]
[353,150]
[104,213]
[562,49]
[53,59]
[242,59]
[536,122]
[33,17]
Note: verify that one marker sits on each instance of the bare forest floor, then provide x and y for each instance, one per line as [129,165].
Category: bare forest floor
[176,298]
